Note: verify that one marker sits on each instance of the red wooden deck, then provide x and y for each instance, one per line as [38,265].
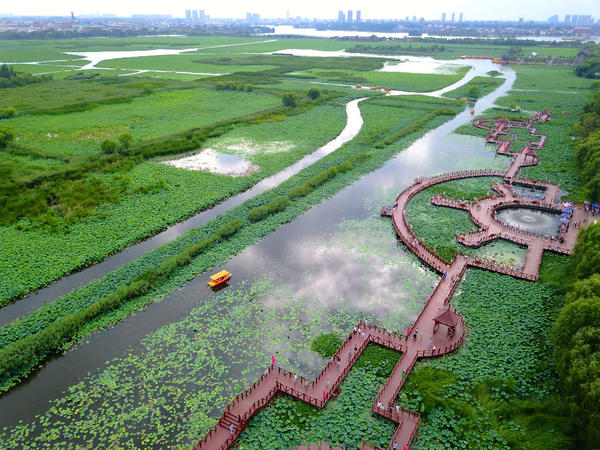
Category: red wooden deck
[318,391]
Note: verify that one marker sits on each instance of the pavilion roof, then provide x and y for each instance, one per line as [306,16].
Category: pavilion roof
[447,317]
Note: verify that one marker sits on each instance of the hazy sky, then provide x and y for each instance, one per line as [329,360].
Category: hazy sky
[371,9]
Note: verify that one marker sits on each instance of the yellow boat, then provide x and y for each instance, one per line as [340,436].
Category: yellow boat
[219,278]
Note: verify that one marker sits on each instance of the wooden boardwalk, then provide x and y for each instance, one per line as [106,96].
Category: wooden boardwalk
[428,341]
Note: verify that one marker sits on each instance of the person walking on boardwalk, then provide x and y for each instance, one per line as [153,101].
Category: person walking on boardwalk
[395,446]
[273,360]
[407,331]
[231,427]
[324,395]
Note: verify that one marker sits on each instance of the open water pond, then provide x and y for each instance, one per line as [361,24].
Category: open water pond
[532,220]
[210,160]
[528,191]
[422,65]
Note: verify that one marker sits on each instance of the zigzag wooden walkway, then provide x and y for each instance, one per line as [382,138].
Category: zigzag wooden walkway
[318,391]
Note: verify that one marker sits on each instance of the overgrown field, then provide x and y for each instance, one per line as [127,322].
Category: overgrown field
[412,82]
[147,117]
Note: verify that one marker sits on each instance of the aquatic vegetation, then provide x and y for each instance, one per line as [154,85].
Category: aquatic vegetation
[183,367]
[326,344]
[332,425]
[500,386]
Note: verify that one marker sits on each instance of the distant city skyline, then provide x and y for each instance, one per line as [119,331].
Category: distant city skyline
[374,9]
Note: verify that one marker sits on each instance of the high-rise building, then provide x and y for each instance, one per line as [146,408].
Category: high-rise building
[252,17]
[452,19]
[460,18]
[341,16]
[349,16]
[188,15]
[567,18]
[358,16]
[553,19]
[444,17]
[201,15]
[414,18]
[194,15]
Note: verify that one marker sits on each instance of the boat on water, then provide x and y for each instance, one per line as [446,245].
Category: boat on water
[219,278]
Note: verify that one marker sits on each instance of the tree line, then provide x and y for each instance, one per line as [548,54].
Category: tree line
[576,332]
[587,150]
[9,77]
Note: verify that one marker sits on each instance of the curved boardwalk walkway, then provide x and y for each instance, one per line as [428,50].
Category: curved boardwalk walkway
[318,391]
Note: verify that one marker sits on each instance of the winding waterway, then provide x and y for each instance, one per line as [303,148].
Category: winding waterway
[354,123]
[335,277]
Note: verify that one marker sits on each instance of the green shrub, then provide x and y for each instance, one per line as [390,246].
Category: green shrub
[473,92]
[290,100]
[314,93]
[230,228]
[345,166]
[275,205]
[9,113]
[109,146]
[6,135]
[125,140]
[326,344]
[300,190]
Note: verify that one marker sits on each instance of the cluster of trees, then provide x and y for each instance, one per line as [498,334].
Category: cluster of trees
[111,146]
[95,31]
[576,337]
[590,68]
[397,49]
[231,86]
[291,100]
[587,150]
[11,78]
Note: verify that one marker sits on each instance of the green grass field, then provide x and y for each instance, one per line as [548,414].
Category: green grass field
[146,117]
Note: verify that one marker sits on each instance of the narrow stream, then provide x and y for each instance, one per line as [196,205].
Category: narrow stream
[284,254]
[68,283]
